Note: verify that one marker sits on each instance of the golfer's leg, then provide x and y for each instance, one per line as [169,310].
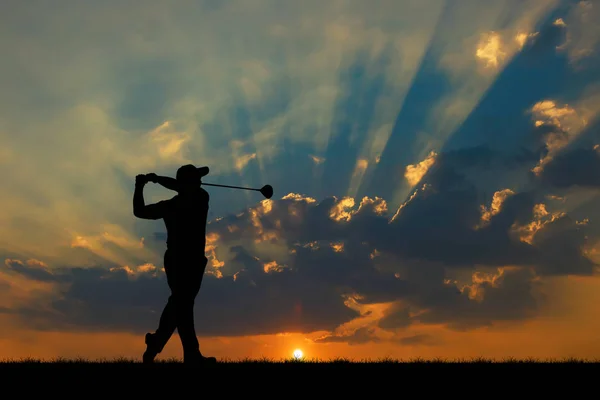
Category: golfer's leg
[185,314]
[185,309]
[185,325]
[166,326]
[168,319]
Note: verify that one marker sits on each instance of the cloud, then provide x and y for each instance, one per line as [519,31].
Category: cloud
[578,167]
[561,125]
[299,265]
[495,207]
[525,38]
[360,336]
[559,22]
[32,269]
[489,50]
[564,123]
[506,295]
[583,34]
[397,316]
[414,173]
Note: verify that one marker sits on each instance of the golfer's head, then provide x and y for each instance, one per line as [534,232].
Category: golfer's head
[190,175]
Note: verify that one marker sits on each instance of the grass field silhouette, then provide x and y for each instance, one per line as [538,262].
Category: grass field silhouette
[267,376]
[257,362]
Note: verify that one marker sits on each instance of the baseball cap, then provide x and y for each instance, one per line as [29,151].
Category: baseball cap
[191,173]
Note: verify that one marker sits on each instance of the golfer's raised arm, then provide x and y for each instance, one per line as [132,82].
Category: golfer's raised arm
[167,182]
[140,209]
[138,196]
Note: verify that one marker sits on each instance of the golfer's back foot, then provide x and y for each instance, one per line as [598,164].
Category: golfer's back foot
[150,353]
[209,360]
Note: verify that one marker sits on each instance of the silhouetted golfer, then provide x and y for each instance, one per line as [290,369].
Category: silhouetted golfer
[185,217]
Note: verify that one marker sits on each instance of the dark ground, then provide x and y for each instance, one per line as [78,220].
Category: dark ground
[264,378]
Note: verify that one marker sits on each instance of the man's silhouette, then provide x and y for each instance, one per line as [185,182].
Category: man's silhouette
[185,217]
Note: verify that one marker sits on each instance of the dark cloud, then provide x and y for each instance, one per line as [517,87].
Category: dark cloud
[577,167]
[33,270]
[561,245]
[252,303]
[506,296]
[484,157]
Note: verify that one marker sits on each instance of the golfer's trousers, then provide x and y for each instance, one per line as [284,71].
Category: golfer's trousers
[184,270]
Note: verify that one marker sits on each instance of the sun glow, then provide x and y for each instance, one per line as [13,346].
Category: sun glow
[298,354]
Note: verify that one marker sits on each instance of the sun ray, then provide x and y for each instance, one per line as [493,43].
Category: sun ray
[410,51]
[472,63]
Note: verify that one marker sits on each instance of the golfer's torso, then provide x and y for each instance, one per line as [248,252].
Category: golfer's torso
[186,223]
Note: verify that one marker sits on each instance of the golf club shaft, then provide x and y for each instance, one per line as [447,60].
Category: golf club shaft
[229,186]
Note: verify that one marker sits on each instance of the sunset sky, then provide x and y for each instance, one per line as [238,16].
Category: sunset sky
[436,167]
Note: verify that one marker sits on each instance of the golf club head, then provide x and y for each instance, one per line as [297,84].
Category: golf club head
[267,191]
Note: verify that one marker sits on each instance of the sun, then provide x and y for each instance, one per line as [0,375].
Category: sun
[298,354]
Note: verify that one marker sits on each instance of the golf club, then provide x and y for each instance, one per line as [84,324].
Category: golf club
[266,190]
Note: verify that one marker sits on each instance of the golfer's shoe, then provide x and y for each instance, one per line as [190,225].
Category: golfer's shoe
[150,353]
[209,360]
[198,359]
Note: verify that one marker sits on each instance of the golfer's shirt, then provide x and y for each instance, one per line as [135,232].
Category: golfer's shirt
[185,218]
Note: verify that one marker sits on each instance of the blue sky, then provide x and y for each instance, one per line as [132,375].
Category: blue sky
[433,162]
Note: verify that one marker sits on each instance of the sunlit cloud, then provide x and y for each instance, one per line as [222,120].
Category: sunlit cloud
[489,50]
[272,266]
[495,207]
[559,22]
[414,173]
[298,197]
[337,247]
[561,117]
[376,205]
[140,270]
[566,122]
[541,217]
[524,38]
[409,200]
[243,161]
[214,263]
[342,210]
